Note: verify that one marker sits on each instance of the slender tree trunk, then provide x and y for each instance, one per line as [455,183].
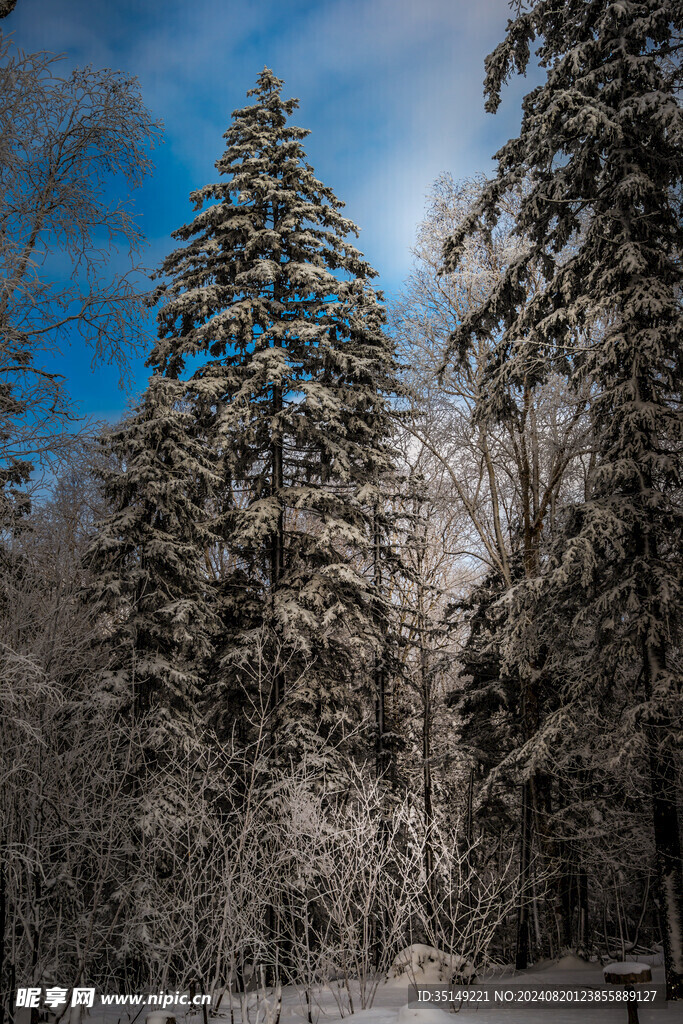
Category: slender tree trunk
[379,927]
[278,684]
[584,918]
[426,689]
[3,926]
[567,893]
[663,763]
[379,669]
[663,777]
[426,697]
[530,725]
[277,561]
[469,814]
[522,953]
[277,551]
[277,555]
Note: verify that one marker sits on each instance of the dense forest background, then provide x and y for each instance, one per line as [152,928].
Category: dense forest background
[363,627]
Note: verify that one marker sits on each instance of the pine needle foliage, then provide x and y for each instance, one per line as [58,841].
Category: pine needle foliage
[151,584]
[273,309]
[601,150]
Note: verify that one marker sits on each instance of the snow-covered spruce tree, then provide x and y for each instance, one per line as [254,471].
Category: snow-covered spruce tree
[150,558]
[601,142]
[293,394]
[152,594]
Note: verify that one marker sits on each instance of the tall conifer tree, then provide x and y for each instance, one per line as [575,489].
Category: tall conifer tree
[148,555]
[154,597]
[292,392]
[601,144]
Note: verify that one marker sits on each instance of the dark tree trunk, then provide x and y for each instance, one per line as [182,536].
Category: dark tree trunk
[427,765]
[522,954]
[661,732]
[583,925]
[669,878]
[426,697]
[277,542]
[3,925]
[379,670]
[277,551]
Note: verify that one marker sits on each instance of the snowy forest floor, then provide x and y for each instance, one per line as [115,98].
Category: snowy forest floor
[391,1003]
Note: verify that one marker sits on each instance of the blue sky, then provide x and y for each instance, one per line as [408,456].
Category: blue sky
[391,90]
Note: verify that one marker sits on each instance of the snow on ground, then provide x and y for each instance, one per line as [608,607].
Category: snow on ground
[429,965]
[391,1006]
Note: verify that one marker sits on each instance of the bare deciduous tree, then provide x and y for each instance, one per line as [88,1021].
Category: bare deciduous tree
[69,244]
[506,456]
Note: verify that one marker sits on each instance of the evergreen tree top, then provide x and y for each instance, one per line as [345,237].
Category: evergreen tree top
[268,247]
[269,91]
[600,151]
[269,83]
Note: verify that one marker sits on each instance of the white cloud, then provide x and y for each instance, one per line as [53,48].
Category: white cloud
[392,89]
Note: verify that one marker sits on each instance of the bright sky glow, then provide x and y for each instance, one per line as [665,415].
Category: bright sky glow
[391,90]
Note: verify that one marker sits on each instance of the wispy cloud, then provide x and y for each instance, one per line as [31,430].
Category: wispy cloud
[391,90]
